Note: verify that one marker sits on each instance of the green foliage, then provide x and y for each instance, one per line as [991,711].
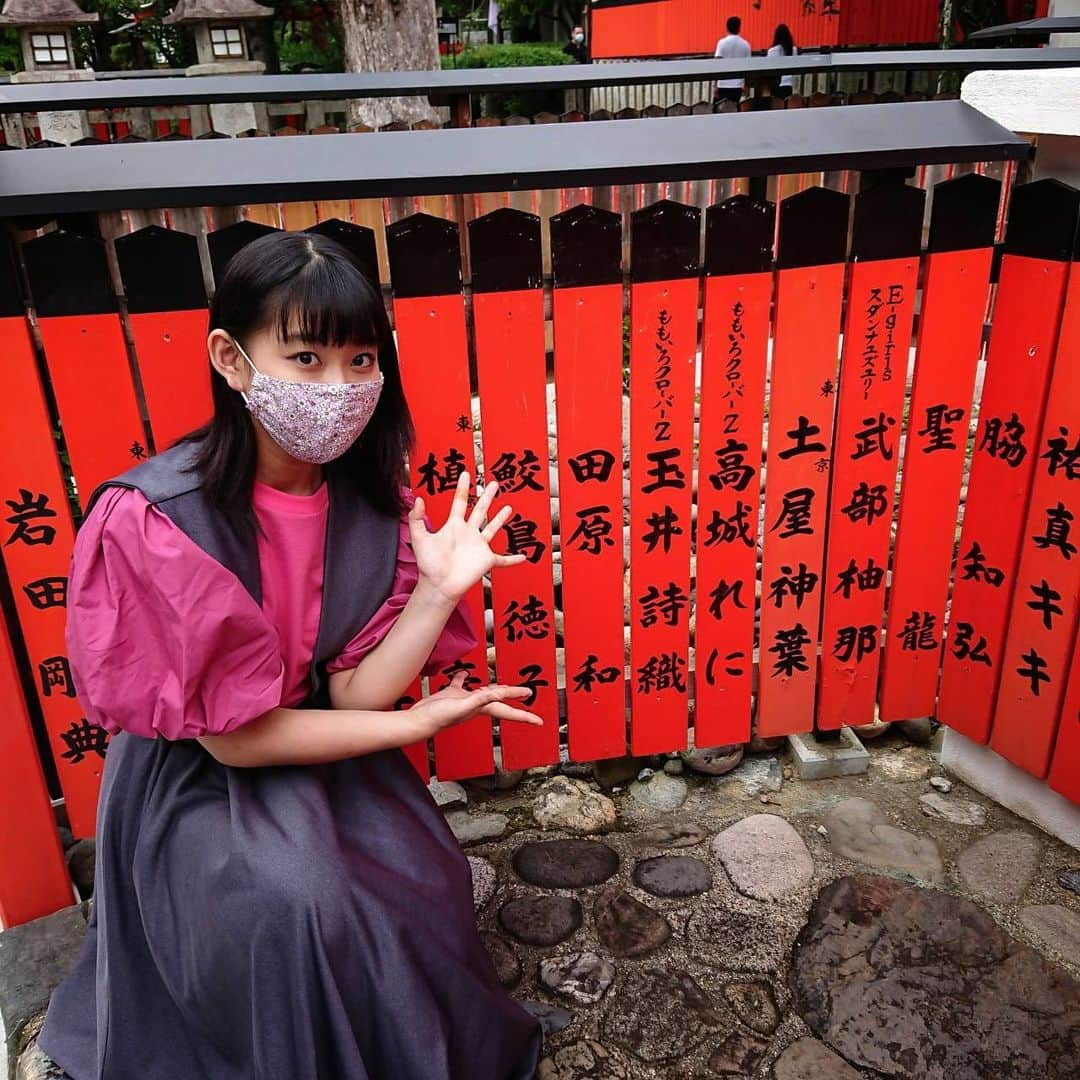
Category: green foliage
[10,54]
[527,54]
[520,103]
[305,55]
[142,46]
[972,15]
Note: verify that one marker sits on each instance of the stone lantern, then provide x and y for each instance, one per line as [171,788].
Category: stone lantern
[220,38]
[222,48]
[48,56]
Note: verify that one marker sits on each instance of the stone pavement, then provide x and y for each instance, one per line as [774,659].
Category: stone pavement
[709,915]
[749,924]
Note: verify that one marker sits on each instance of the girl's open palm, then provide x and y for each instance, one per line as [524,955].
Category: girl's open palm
[453,703]
[458,555]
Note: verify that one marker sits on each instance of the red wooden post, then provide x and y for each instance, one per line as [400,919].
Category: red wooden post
[508,313]
[957,278]
[33,878]
[1042,622]
[36,549]
[886,240]
[735,337]
[429,316]
[166,299]
[1030,293]
[87,356]
[665,240]
[586,246]
[812,245]
[1065,765]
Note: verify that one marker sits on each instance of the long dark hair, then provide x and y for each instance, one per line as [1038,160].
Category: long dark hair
[783,38]
[306,284]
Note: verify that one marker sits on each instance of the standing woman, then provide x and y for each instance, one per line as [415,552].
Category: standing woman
[783,45]
[277,895]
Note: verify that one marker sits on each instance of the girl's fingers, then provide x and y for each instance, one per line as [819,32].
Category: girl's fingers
[507,712]
[509,560]
[496,523]
[461,497]
[483,503]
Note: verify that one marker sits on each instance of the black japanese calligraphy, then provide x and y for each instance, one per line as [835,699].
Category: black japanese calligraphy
[728,530]
[664,604]
[1003,439]
[1056,534]
[663,527]
[790,648]
[28,509]
[84,738]
[526,619]
[938,431]
[665,671]
[797,584]
[794,519]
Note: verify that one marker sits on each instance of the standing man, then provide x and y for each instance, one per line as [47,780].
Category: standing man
[732,47]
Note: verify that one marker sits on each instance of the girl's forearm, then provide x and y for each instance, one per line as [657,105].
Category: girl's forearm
[380,679]
[310,737]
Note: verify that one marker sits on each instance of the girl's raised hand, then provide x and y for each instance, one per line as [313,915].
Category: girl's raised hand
[454,703]
[458,555]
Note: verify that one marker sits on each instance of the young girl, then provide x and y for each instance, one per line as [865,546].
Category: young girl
[277,895]
[783,45]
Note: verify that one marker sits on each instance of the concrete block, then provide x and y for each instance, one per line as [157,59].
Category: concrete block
[34,959]
[979,767]
[814,760]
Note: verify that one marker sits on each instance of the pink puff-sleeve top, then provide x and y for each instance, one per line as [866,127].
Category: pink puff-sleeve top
[164,640]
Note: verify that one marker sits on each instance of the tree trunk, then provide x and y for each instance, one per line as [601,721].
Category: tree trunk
[388,35]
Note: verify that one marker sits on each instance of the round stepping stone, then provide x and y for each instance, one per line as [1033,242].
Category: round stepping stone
[958,811]
[541,920]
[675,834]
[563,803]
[565,864]
[662,792]
[483,880]
[901,765]
[739,1054]
[808,1059]
[738,941]
[660,1014]
[672,875]
[1056,927]
[504,958]
[580,1058]
[713,760]
[627,927]
[1001,866]
[1069,879]
[764,857]
[473,828]
[859,830]
[448,794]
[754,1004]
[584,977]
[911,983]
[551,1017]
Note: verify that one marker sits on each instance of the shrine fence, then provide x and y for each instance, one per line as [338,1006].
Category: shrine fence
[792,438]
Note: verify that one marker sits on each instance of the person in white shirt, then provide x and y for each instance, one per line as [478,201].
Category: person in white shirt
[732,47]
[783,45]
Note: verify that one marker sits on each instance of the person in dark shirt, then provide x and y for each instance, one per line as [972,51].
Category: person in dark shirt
[576,46]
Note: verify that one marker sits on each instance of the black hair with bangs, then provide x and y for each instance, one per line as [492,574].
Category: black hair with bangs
[308,286]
